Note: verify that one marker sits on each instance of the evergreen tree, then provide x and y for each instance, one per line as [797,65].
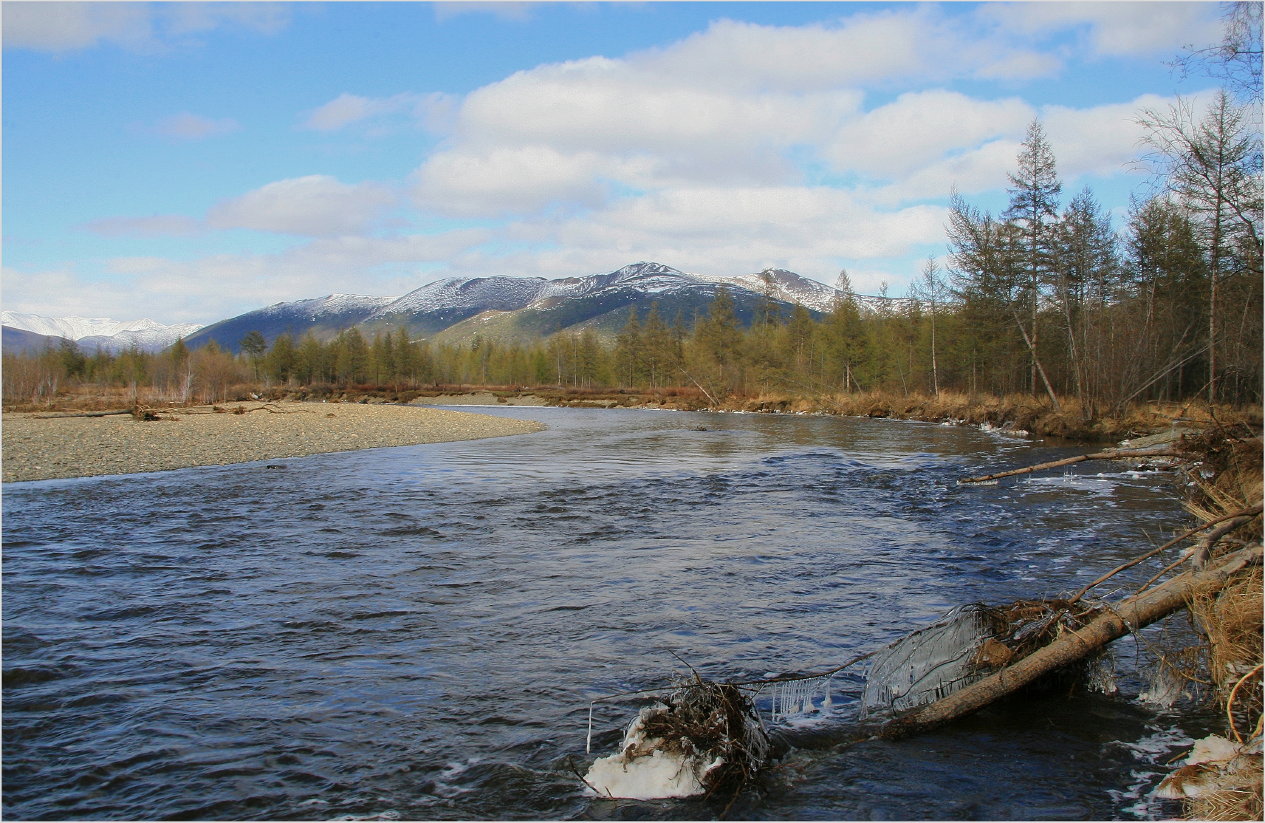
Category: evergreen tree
[845,342]
[280,362]
[629,350]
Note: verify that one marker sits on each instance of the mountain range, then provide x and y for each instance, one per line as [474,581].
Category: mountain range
[23,332]
[454,310]
[522,309]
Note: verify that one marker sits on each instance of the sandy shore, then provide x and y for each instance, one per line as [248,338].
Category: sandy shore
[39,447]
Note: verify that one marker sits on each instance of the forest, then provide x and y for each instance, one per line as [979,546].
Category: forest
[1045,299]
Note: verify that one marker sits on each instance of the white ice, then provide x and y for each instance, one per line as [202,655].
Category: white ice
[643,771]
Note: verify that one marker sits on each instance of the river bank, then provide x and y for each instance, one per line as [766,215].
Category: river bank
[45,446]
[1016,412]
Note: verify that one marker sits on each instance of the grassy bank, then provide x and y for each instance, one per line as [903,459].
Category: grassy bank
[1035,415]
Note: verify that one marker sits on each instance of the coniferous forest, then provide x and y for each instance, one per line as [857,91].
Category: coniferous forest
[1046,299]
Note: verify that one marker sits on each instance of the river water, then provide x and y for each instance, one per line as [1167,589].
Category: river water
[417,633]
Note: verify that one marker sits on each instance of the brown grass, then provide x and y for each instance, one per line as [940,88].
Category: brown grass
[1231,617]
[1239,799]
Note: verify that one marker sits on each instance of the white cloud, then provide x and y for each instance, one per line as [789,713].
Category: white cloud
[1116,28]
[186,126]
[919,129]
[973,171]
[217,286]
[432,111]
[316,205]
[63,292]
[58,27]
[68,26]
[508,180]
[717,229]
[608,105]
[739,104]
[1097,140]
[867,47]
[346,109]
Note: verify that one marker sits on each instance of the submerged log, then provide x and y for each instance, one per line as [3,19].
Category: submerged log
[1128,616]
[1111,454]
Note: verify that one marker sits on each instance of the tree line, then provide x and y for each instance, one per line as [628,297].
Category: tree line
[1044,298]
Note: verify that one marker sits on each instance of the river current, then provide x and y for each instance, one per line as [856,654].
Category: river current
[417,633]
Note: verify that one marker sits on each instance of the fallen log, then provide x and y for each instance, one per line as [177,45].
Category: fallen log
[1112,454]
[81,414]
[1129,615]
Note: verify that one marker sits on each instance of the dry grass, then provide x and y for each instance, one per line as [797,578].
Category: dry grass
[1231,619]
[1238,799]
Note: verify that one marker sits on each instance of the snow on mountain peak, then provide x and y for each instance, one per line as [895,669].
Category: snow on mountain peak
[101,332]
[77,328]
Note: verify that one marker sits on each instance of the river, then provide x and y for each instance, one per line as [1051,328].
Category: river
[417,633]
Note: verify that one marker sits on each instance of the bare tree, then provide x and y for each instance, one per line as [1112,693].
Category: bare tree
[1212,164]
[1236,60]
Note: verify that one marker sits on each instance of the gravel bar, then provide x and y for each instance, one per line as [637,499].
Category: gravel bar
[43,447]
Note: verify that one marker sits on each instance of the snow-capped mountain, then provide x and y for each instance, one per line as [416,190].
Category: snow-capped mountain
[323,316]
[93,333]
[523,308]
[784,285]
[499,293]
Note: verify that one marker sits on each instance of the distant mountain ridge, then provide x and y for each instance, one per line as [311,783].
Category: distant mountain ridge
[91,333]
[522,309]
[453,310]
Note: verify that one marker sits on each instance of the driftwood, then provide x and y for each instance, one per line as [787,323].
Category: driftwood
[1112,454]
[141,412]
[81,414]
[1128,616]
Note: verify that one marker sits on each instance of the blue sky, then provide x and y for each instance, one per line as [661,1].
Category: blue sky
[188,162]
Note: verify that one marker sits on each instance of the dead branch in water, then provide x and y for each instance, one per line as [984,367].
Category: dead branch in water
[1112,454]
[1201,552]
[1129,615]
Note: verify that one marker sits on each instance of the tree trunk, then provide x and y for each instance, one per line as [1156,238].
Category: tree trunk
[1114,622]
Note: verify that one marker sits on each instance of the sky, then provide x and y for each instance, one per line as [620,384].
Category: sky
[188,162]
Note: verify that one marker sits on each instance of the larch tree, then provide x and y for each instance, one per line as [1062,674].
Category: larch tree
[1213,166]
[1034,206]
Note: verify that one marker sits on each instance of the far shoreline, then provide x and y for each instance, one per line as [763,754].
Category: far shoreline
[64,445]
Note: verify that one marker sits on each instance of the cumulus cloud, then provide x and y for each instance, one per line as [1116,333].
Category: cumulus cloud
[1099,139]
[739,103]
[59,27]
[509,180]
[315,205]
[920,128]
[1116,29]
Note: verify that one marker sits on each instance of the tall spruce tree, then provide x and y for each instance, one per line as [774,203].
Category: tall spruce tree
[1034,207]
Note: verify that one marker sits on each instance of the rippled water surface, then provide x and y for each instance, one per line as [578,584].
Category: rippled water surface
[418,632]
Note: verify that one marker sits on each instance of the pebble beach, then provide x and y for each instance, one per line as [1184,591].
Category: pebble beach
[46,446]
